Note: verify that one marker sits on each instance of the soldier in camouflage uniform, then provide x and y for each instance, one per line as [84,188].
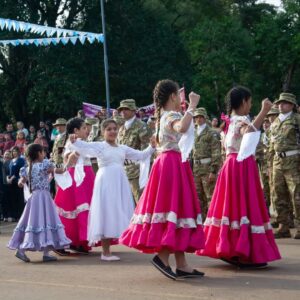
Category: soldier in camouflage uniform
[135,134]
[261,159]
[59,143]
[285,141]
[206,158]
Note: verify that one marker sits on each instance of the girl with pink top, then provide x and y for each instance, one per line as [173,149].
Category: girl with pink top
[237,226]
[167,218]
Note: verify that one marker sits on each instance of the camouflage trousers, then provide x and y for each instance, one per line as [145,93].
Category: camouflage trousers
[286,192]
[135,188]
[205,189]
[265,182]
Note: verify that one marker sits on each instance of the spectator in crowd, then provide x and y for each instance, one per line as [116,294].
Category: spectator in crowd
[42,128]
[16,193]
[6,203]
[48,132]
[9,142]
[32,134]
[20,126]
[10,130]
[143,116]
[40,139]
[21,141]
[2,142]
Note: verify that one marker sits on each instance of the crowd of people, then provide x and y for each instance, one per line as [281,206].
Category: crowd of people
[200,197]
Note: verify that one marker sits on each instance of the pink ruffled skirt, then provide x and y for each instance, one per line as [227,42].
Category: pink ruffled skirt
[168,213]
[73,206]
[237,223]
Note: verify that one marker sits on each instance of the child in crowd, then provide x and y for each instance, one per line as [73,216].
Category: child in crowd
[21,141]
[112,202]
[237,226]
[39,228]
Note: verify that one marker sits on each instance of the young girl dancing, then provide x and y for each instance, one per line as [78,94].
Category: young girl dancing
[237,226]
[73,203]
[112,202]
[167,218]
[39,228]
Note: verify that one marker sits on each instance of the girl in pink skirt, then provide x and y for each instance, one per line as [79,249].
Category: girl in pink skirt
[237,226]
[167,218]
[73,203]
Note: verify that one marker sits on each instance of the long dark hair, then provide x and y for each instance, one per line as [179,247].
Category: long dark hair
[32,154]
[72,124]
[161,94]
[235,97]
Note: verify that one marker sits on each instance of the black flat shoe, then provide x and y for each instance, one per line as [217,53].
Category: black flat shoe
[61,252]
[245,266]
[79,250]
[166,270]
[194,274]
[230,261]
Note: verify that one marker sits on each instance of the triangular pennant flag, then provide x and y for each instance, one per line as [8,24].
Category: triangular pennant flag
[91,39]
[73,40]
[36,42]
[2,24]
[82,39]
[64,40]
[13,25]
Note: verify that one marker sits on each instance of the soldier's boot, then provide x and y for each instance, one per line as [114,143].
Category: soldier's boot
[275,224]
[297,234]
[282,232]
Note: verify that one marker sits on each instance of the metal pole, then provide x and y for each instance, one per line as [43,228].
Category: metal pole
[105,60]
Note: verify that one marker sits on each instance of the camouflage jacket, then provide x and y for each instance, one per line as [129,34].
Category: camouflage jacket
[95,134]
[58,148]
[285,136]
[207,145]
[136,137]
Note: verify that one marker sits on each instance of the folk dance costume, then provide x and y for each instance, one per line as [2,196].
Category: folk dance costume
[39,227]
[237,226]
[73,203]
[168,213]
[112,202]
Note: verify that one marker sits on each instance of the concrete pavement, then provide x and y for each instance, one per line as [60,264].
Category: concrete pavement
[86,277]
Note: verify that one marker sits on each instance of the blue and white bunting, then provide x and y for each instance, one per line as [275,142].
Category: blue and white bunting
[54,35]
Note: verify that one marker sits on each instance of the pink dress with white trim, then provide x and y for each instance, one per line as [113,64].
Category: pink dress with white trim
[237,223]
[168,213]
[73,204]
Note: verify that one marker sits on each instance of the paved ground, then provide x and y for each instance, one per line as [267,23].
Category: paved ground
[85,277]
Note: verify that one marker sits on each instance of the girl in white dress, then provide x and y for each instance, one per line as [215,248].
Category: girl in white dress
[112,202]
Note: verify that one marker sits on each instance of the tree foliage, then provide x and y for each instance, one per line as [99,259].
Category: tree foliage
[208,46]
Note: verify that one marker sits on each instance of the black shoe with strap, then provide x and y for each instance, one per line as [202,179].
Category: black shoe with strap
[254,266]
[166,270]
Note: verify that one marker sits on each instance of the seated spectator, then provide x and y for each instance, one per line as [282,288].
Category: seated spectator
[9,142]
[40,139]
[20,126]
[32,134]
[10,130]
[21,141]
[2,141]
